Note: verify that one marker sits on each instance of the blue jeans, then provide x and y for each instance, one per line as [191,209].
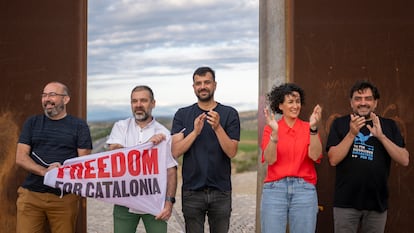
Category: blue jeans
[290,200]
[213,203]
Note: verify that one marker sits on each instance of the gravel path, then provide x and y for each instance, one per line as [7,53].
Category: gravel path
[99,214]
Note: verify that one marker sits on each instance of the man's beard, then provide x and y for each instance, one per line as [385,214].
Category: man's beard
[367,116]
[206,98]
[58,108]
[141,117]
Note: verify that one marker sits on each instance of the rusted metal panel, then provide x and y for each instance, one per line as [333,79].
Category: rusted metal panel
[339,42]
[272,70]
[40,41]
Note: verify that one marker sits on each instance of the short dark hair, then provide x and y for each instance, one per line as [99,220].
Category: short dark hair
[201,71]
[277,95]
[362,85]
[143,87]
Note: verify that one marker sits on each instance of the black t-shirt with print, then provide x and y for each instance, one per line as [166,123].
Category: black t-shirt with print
[361,177]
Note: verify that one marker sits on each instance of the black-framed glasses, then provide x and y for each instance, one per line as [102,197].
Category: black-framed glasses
[51,94]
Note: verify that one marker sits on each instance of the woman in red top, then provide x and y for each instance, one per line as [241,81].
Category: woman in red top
[290,147]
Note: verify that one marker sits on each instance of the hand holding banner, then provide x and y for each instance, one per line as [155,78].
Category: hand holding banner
[135,177]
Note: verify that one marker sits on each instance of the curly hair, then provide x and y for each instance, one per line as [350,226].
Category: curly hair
[277,95]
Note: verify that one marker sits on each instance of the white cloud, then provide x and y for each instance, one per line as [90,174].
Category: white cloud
[160,43]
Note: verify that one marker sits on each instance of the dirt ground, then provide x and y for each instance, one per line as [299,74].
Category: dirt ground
[99,214]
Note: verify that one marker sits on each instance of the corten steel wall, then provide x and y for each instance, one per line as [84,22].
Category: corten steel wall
[272,70]
[40,41]
[339,42]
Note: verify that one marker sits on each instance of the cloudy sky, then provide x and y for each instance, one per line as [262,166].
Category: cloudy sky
[160,43]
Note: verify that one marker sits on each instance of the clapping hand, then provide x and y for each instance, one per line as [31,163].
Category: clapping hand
[376,128]
[315,117]
[356,123]
[270,119]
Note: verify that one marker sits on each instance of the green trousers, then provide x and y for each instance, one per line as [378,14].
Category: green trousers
[126,222]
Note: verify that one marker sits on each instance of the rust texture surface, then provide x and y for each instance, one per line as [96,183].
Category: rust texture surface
[40,41]
[337,43]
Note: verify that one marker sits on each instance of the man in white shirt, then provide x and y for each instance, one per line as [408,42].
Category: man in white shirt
[136,130]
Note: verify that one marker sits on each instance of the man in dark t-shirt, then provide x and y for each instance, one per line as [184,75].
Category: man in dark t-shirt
[207,133]
[361,146]
[45,142]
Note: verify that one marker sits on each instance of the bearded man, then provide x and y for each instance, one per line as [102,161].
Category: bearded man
[207,134]
[138,129]
[45,142]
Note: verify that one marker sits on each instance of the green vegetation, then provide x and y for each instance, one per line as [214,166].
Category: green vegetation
[248,134]
[100,130]
[246,158]
[246,147]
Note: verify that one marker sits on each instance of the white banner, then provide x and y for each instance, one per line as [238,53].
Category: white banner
[135,177]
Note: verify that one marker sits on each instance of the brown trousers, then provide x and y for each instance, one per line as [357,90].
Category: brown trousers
[35,210]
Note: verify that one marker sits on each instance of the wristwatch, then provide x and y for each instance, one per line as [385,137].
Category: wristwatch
[170,199]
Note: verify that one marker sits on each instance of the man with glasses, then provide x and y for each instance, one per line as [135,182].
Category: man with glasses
[361,146]
[45,142]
